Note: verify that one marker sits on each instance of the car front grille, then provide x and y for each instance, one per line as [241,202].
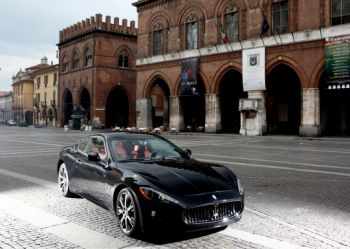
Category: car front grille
[212,213]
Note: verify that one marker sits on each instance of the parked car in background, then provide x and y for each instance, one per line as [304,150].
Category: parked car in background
[23,124]
[11,122]
[148,182]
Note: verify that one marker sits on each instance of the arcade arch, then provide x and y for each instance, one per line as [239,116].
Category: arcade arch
[67,106]
[159,93]
[231,90]
[283,100]
[117,108]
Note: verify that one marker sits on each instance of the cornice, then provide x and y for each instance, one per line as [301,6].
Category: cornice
[143,5]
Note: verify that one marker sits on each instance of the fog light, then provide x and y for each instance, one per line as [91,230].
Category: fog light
[153,213]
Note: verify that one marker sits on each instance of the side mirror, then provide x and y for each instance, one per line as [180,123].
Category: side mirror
[93,156]
[188,152]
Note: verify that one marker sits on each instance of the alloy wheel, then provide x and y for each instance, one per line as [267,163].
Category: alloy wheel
[63,180]
[126,212]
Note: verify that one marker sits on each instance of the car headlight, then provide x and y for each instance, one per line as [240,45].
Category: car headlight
[240,187]
[151,194]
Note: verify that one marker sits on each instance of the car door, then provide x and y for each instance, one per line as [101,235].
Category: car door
[94,173]
[79,157]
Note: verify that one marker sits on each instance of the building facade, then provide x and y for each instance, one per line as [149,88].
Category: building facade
[289,38]
[97,74]
[6,100]
[23,89]
[45,96]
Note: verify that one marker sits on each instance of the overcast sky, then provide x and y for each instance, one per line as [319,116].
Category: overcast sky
[29,29]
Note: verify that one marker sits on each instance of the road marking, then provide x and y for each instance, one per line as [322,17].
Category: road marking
[272,161]
[21,152]
[275,167]
[59,227]
[31,142]
[35,180]
[259,240]
[31,155]
[244,145]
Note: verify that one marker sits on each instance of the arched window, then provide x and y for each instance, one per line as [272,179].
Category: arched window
[158,39]
[64,64]
[231,23]
[88,58]
[192,31]
[280,20]
[75,61]
[123,60]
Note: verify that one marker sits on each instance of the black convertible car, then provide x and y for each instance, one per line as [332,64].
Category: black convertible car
[149,182]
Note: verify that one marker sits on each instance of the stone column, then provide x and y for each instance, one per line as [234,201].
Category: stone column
[166,112]
[212,113]
[144,113]
[176,116]
[310,113]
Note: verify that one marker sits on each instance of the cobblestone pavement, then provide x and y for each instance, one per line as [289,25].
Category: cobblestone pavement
[296,192]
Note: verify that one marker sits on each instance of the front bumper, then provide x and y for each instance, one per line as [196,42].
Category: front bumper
[197,213]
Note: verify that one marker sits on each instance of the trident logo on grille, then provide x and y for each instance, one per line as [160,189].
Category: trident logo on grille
[215,212]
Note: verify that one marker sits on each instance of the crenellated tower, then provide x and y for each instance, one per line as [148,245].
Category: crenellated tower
[97,75]
[96,23]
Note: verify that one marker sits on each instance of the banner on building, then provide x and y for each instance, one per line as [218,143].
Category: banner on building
[189,72]
[253,69]
[337,62]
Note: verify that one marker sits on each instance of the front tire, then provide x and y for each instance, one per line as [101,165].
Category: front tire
[126,212]
[63,181]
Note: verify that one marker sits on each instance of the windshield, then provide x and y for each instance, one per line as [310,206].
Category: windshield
[144,147]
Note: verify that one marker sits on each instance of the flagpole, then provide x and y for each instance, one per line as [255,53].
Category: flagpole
[262,12]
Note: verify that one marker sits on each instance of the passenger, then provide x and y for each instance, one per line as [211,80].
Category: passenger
[120,149]
[135,151]
[102,152]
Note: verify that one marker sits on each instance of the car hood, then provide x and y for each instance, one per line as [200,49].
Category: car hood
[185,177]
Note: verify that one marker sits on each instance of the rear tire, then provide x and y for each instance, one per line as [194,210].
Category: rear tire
[126,212]
[63,181]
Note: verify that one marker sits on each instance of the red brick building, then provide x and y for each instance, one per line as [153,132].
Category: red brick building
[97,79]
[296,97]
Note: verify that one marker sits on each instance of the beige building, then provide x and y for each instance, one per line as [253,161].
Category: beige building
[45,96]
[23,91]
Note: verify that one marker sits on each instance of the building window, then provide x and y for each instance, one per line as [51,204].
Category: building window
[55,79]
[231,23]
[37,100]
[64,64]
[75,61]
[158,39]
[88,58]
[192,32]
[280,17]
[340,12]
[38,83]
[46,80]
[123,61]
